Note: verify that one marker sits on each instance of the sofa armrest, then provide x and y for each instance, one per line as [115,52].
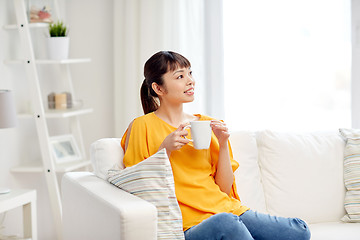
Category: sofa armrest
[95,209]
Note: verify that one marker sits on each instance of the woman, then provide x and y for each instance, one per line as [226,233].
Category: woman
[204,180]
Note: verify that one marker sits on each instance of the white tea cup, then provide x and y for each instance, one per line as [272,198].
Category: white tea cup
[200,133]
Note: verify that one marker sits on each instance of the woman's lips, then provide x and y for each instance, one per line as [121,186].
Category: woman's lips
[190,91]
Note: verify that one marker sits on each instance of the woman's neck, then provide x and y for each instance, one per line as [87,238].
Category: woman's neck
[173,115]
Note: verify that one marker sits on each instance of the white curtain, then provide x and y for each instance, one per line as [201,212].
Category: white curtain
[355,70]
[192,28]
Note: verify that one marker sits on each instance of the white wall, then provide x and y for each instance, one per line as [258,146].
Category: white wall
[91,33]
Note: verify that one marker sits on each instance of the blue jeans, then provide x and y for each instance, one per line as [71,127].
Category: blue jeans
[248,226]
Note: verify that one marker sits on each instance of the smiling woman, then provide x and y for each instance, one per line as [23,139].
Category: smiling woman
[206,170]
[163,63]
[288,65]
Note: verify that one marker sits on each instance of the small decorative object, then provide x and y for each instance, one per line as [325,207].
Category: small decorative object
[58,42]
[60,101]
[51,101]
[40,14]
[65,149]
[69,103]
[58,29]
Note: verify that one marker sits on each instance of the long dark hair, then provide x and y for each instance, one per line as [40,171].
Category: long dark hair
[154,70]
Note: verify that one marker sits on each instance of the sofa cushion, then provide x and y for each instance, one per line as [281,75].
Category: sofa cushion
[335,231]
[153,181]
[352,174]
[302,174]
[247,176]
[104,154]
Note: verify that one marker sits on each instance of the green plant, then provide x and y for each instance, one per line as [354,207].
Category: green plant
[57,29]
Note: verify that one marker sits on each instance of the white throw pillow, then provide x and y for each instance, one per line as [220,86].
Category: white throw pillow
[247,176]
[352,174]
[152,180]
[302,174]
[104,154]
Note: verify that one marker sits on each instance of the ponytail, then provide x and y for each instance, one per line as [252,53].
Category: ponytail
[149,104]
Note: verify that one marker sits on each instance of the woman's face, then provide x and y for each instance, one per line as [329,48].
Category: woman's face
[178,86]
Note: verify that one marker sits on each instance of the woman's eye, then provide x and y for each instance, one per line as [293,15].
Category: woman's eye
[190,73]
[180,76]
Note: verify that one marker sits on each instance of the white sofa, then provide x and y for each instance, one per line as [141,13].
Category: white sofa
[285,174]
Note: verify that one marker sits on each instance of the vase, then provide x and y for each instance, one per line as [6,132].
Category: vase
[58,47]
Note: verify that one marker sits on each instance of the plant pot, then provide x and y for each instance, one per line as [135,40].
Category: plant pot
[58,47]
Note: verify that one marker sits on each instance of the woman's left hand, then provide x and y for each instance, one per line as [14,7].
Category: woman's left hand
[221,131]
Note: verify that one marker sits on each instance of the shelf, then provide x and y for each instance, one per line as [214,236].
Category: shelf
[67,113]
[31,25]
[60,168]
[58,113]
[47,61]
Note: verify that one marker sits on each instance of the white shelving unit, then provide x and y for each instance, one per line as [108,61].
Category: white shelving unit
[40,114]
[59,113]
[26,199]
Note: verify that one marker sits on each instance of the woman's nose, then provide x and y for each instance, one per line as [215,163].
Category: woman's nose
[191,80]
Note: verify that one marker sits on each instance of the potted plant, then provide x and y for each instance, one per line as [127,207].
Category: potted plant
[58,41]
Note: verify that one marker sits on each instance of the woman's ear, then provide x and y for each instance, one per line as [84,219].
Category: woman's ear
[158,89]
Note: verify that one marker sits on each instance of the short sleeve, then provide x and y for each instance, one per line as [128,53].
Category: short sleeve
[137,149]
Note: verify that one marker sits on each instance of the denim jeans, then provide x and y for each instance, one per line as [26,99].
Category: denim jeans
[250,225]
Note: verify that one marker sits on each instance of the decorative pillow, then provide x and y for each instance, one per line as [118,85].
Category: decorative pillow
[104,154]
[352,174]
[153,181]
[302,174]
[247,176]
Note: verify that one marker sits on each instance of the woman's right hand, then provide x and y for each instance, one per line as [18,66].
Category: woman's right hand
[175,140]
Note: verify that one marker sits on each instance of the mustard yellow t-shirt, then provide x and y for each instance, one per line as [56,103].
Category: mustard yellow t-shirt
[198,195]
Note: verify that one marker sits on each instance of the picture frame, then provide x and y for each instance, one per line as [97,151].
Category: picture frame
[64,149]
[40,11]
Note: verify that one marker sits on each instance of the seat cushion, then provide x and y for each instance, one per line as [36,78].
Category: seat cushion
[335,231]
[247,176]
[302,174]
